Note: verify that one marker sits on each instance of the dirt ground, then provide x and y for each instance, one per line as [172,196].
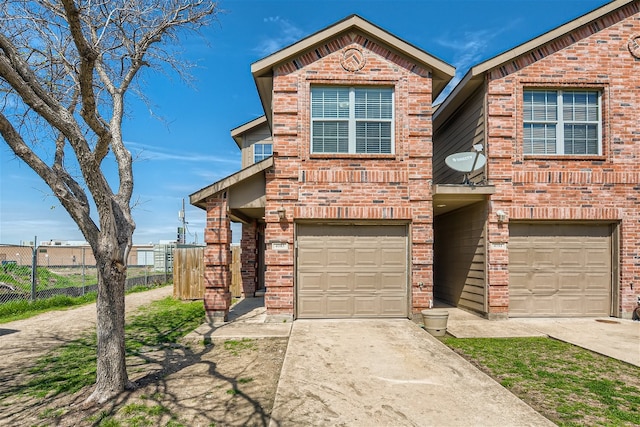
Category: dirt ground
[220,383]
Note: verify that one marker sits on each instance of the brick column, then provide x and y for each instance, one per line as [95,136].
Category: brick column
[217,256]
[248,259]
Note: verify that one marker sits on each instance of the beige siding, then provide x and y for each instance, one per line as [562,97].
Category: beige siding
[458,134]
[459,260]
[261,134]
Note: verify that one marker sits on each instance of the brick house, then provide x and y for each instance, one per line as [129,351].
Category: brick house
[558,231]
[338,221]
[348,208]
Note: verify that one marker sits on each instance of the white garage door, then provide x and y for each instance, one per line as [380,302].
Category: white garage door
[559,270]
[346,271]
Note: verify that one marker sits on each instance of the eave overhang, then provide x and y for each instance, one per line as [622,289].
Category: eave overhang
[449,197]
[262,70]
[246,176]
[238,132]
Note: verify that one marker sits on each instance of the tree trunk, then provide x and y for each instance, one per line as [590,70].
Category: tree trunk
[111,374]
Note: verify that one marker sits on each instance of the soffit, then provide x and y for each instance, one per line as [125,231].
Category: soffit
[449,197]
[199,198]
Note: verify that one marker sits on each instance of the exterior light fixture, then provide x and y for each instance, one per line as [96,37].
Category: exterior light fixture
[282,213]
[502,215]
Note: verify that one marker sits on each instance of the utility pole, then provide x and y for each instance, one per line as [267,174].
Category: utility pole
[182,231]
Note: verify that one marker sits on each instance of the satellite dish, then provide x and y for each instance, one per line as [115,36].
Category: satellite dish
[466,162]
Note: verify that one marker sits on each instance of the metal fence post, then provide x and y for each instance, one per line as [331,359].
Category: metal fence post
[34,268]
[83,275]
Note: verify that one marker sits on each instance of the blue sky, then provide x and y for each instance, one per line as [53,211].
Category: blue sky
[183,143]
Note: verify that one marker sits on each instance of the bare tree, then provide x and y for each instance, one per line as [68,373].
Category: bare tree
[66,67]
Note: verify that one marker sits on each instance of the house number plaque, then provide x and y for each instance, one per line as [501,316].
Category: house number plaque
[280,246]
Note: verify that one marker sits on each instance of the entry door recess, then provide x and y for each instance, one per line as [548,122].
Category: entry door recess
[346,271]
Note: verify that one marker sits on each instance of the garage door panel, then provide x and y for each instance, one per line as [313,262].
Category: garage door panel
[566,270]
[311,281]
[366,306]
[392,282]
[313,257]
[390,305]
[366,257]
[313,306]
[570,305]
[353,269]
[339,257]
[570,281]
[569,258]
[338,305]
[595,304]
[335,281]
[393,257]
[365,282]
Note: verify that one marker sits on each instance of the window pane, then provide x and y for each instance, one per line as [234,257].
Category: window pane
[539,138]
[329,103]
[580,139]
[373,103]
[540,105]
[330,137]
[373,137]
[580,106]
[262,151]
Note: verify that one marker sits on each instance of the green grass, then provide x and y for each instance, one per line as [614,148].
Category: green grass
[567,384]
[73,366]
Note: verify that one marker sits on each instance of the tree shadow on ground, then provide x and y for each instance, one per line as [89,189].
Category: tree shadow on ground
[216,381]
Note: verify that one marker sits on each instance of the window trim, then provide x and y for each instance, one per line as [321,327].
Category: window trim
[261,144]
[352,122]
[560,122]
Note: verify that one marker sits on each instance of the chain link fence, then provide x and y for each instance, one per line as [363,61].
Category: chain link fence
[30,273]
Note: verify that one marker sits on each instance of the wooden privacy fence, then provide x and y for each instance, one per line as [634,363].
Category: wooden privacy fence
[188,273]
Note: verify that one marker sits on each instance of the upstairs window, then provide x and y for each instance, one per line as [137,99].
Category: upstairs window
[558,122]
[261,151]
[352,120]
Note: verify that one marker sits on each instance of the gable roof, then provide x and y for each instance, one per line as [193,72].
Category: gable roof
[237,132]
[476,74]
[262,70]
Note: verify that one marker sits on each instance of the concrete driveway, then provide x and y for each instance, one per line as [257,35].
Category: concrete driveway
[386,373]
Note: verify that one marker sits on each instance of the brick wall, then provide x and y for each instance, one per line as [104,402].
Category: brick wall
[604,188]
[217,257]
[357,187]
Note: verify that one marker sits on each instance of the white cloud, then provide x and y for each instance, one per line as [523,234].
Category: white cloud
[470,48]
[287,33]
[149,152]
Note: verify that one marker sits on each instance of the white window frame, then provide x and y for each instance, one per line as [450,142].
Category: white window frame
[262,144]
[560,122]
[353,121]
